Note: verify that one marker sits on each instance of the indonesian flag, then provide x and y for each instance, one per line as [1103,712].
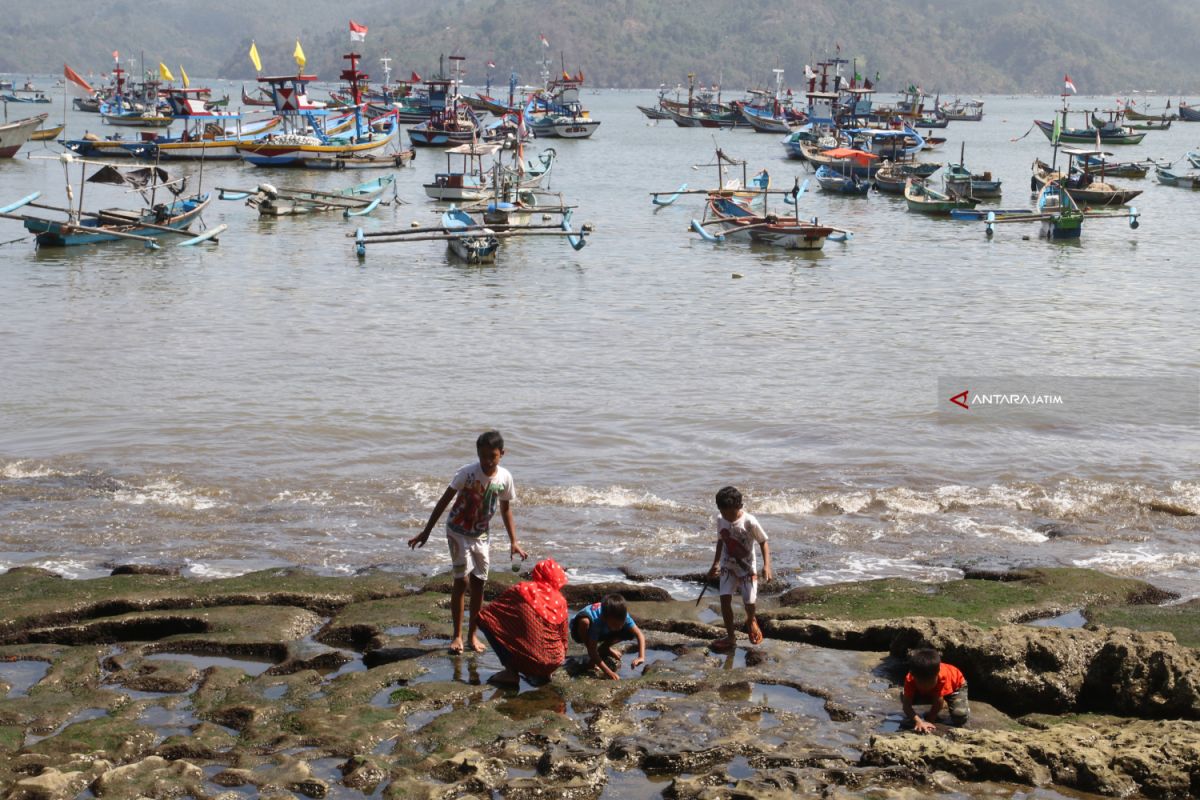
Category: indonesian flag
[545,43]
[117,56]
[1068,86]
[76,84]
[358,33]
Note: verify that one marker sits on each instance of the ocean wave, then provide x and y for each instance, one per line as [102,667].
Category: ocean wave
[164,493]
[608,497]
[861,566]
[1136,561]
[24,470]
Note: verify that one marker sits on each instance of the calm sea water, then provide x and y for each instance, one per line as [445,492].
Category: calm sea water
[273,400]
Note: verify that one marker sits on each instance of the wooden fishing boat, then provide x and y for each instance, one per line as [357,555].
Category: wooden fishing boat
[1095,165]
[656,112]
[1058,215]
[841,177]
[924,199]
[961,180]
[1182,180]
[12,97]
[1135,115]
[1188,113]
[469,183]
[1193,158]
[1087,188]
[47,134]
[730,219]
[467,240]
[962,110]
[16,133]
[363,161]
[558,112]
[1149,126]
[1110,135]
[353,201]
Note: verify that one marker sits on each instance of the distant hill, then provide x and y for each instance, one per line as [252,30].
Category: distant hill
[955,46]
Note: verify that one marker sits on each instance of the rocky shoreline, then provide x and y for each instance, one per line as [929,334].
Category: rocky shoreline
[286,684]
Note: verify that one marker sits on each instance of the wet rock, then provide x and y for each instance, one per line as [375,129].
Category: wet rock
[172,677]
[582,593]
[151,777]
[50,785]
[1116,757]
[306,655]
[472,771]
[145,569]
[390,655]
[363,774]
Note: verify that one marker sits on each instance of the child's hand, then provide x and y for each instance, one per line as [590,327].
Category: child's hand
[921,726]
[714,570]
[637,662]
[768,575]
[418,540]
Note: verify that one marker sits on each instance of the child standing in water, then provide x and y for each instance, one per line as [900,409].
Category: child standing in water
[737,565]
[477,490]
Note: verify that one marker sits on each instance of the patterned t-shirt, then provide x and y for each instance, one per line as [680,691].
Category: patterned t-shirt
[477,497]
[739,538]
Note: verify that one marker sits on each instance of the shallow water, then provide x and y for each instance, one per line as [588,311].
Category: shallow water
[21,676]
[250,666]
[172,406]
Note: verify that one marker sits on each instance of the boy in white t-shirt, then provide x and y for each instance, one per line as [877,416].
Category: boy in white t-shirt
[735,560]
[480,489]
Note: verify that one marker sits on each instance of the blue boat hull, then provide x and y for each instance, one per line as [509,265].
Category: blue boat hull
[51,233]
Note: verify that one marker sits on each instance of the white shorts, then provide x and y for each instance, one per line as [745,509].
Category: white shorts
[469,554]
[748,586]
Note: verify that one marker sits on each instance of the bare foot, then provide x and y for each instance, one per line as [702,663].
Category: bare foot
[456,646]
[755,632]
[721,645]
[477,645]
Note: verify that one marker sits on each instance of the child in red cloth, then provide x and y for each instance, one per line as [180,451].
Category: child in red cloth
[527,626]
[930,680]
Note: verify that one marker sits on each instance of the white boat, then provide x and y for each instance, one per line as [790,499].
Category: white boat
[469,183]
[15,134]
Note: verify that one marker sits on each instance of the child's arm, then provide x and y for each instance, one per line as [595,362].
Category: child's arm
[935,708]
[641,657]
[716,567]
[420,539]
[766,551]
[919,725]
[510,526]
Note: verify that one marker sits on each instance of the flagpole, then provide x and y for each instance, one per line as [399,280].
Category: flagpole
[66,91]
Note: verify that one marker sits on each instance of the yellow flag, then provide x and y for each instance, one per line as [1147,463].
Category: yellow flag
[298,54]
[165,73]
[254,57]
[186,83]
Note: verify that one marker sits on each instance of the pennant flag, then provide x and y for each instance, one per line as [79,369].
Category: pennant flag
[808,72]
[187,84]
[1068,86]
[298,54]
[164,73]
[544,42]
[254,57]
[358,33]
[491,65]
[75,83]
[1056,131]
[414,78]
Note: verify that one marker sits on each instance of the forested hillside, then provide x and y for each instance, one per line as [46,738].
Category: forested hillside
[944,45]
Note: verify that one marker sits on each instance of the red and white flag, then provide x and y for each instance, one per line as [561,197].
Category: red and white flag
[76,85]
[117,56]
[1068,86]
[358,33]
[545,43]
[491,65]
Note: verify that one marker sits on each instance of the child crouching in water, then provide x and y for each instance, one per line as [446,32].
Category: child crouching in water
[600,626]
[737,565]
[941,685]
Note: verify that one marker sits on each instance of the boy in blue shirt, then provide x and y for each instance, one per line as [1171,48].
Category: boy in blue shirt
[477,491]
[601,625]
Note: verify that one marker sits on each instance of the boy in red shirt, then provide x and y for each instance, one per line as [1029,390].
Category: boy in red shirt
[938,684]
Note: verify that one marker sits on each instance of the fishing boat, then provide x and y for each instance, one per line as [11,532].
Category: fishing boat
[841,176]
[388,160]
[308,135]
[147,224]
[1193,158]
[962,110]
[206,134]
[1188,113]
[47,134]
[18,132]
[557,111]
[13,97]
[1087,188]
[1182,180]
[448,123]
[1061,216]
[1110,134]
[353,201]
[1135,115]
[891,176]
[730,219]
[471,241]
[924,199]
[468,183]
[961,181]
[1114,169]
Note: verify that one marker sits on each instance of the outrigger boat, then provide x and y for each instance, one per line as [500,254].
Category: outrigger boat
[1109,134]
[471,241]
[735,220]
[924,199]
[1085,187]
[1182,180]
[306,137]
[16,133]
[1059,215]
[891,177]
[843,179]
[145,225]
[749,189]
[960,180]
[353,201]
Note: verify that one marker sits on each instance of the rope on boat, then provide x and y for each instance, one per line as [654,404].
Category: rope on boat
[1022,136]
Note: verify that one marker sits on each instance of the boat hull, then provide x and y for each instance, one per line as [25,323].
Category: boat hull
[14,134]
[179,215]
